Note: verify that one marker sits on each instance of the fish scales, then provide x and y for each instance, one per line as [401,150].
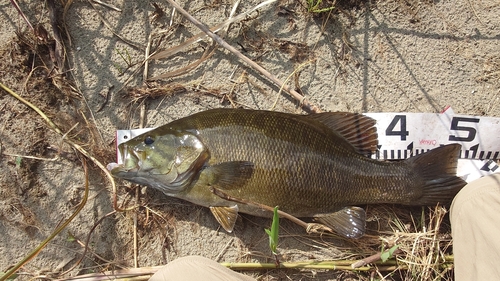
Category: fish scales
[293,164]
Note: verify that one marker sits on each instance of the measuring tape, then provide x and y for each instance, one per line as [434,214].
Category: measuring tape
[402,135]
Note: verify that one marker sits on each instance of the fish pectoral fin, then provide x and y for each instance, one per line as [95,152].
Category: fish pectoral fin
[227,175]
[226,216]
[349,222]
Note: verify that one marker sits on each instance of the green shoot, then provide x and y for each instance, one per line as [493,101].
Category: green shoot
[18,161]
[274,232]
[70,238]
[124,54]
[313,7]
[386,255]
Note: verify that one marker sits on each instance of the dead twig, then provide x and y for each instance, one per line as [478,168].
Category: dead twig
[65,13]
[200,36]
[142,273]
[14,3]
[59,50]
[209,51]
[108,5]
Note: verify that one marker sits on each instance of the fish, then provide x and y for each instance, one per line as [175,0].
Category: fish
[313,166]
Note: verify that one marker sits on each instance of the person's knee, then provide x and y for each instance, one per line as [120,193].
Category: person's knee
[475,196]
[475,225]
[196,268]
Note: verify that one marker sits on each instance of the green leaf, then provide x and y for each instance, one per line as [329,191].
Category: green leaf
[274,232]
[388,254]
[12,277]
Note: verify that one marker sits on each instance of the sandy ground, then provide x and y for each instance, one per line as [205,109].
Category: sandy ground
[374,56]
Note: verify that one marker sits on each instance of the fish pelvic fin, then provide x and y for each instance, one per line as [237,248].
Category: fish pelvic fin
[359,130]
[226,216]
[348,222]
[438,169]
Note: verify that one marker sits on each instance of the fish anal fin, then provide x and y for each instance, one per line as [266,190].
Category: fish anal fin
[226,216]
[228,175]
[358,129]
[348,222]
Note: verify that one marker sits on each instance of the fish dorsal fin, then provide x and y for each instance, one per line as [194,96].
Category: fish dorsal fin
[226,216]
[348,222]
[228,175]
[359,130]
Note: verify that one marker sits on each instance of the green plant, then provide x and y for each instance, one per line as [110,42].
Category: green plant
[124,54]
[18,161]
[313,6]
[274,232]
[386,255]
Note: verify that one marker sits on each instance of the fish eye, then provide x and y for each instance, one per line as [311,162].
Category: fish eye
[149,140]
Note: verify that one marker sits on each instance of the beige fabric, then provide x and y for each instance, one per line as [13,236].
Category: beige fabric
[475,224]
[192,268]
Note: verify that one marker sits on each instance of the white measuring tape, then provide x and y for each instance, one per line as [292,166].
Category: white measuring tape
[402,135]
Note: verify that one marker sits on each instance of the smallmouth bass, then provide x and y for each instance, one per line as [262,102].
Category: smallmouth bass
[308,165]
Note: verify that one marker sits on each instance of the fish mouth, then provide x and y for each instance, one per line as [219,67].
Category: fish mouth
[116,168]
[130,162]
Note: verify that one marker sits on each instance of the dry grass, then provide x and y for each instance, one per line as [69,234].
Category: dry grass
[138,94]
[423,240]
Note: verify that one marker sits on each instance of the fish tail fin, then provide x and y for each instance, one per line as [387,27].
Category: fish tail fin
[438,169]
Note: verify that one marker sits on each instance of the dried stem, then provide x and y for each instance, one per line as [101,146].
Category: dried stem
[14,3]
[172,51]
[209,51]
